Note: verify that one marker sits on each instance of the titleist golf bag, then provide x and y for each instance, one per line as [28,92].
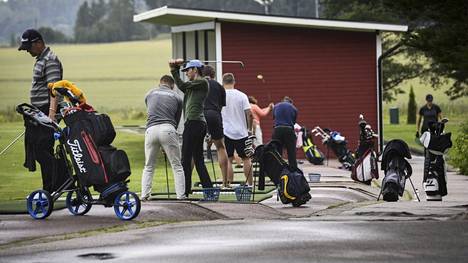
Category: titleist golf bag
[396,169]
[291,183]
[365,169]
[89,135]
[436,144]
[337,143]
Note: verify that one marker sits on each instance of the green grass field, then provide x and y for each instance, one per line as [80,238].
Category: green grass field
[113,76]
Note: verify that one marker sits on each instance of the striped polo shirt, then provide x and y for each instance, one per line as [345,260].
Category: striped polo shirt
[47,69]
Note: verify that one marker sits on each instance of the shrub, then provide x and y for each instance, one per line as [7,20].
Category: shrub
[411,108]
[459,153]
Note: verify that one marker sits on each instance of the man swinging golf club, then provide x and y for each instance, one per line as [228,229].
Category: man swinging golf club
[195,92]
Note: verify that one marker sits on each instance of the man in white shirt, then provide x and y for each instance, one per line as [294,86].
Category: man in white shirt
[237,123]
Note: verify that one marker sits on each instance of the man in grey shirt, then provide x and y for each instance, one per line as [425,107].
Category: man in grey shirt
[164,107]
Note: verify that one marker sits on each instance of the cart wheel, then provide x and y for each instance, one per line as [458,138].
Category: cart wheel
[40,204]
[78,204]
[127,205]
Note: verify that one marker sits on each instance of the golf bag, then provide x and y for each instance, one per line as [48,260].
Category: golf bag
[436,144]
[89,136]
[396,169]
[337,143]
[366,167]
[292,185]
[311,151]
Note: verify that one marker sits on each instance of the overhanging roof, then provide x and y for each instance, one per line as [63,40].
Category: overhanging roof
[179,16]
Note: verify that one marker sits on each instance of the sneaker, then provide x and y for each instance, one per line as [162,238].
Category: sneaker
[183,197]
[145,199]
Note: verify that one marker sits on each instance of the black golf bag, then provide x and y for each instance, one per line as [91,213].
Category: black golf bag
[396,169]
[292,185]
[366,168]
[311,151]
[89,135]
[436,144]
[336,142]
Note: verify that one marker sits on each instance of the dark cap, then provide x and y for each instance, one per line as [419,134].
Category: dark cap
[29,36]
[429,98]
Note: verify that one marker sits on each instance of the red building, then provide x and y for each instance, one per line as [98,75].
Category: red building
[329,68]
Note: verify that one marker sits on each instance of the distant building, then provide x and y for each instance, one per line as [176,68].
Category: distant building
[328,67]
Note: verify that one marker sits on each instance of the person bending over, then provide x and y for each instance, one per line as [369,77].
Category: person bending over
[164,108]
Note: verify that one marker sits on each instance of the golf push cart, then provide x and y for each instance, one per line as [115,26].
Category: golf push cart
[95,163]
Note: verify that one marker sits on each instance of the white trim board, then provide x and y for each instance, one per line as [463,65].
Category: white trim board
[219,54]
[173,17]
[193,27]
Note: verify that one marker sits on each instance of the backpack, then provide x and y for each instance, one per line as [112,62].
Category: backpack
[293,187]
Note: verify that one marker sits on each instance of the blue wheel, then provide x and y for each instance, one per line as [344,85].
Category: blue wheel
[78,203]
[127,205]
[39,204]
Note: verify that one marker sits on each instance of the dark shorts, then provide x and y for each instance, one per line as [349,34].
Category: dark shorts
[238,145]
[214,122]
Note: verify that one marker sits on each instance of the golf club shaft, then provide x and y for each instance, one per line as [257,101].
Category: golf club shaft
[225,61]
[414,189]
[13,142]
[167,176]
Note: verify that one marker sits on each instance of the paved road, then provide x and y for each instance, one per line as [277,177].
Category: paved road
[296,240]
[340,224]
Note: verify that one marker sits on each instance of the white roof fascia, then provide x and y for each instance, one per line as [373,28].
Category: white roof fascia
[273,20]
[193,27]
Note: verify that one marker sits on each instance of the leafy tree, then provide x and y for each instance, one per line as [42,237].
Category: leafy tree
[412,108]
[437,30]
[52,36]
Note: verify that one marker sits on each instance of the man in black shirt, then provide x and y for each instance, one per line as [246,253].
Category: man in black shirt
[430,113]
[214,102]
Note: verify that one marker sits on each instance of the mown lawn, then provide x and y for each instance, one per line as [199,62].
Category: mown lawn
[16,182]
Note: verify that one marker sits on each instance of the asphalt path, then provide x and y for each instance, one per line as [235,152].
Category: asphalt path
[263,241]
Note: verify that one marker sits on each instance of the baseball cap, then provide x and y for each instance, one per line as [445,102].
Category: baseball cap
[29,36]
[194,63]
[429,98]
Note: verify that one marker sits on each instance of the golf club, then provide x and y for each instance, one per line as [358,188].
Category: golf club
[167,177]
[226,62]
[13,142]
[210,155]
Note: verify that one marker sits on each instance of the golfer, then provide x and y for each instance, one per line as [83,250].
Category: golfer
[430,112]
[164,108]
[258,113]
[39,140]
[285,115]
[215,101]
[237,122]
[195,92]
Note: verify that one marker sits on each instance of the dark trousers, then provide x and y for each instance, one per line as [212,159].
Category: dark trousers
[39,144]
[287,137]
[192,148]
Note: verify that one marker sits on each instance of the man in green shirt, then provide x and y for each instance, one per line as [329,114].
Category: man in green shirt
[195,92]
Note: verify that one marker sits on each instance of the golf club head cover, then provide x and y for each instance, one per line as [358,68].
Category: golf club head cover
[249,148]
[67,89]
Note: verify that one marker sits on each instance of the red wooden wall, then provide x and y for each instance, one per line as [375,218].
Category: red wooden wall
[330,75]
